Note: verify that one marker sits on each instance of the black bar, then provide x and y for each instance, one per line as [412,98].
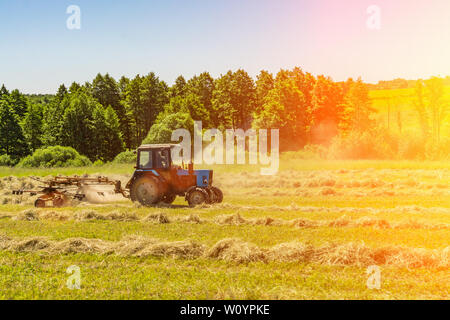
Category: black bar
[238,309]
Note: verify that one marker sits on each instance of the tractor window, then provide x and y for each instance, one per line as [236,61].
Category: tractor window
[162,159]
[145,159]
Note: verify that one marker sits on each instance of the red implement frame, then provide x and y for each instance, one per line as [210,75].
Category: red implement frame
[56,193]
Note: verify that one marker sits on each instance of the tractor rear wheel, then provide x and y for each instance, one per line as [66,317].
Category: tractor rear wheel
[197,197]
[146,190]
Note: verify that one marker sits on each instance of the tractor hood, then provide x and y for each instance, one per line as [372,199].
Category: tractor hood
[203,177]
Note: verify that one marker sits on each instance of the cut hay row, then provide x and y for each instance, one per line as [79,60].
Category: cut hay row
[130,246]
[238,251]
[311,209]
[343,221]
[290,183]
[27,200]
[232,219]
[368,178]
[259,192]
[360,179]
[357,183]
[329,191]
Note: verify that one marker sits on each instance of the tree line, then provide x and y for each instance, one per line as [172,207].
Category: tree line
[400,83]
[104,117]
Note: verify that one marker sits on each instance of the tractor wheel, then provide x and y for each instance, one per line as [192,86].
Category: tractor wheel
[197,197]
[211,196]
[60,200]
[132,195]
[218,194]
[146,190]
[39,203]
[169,198]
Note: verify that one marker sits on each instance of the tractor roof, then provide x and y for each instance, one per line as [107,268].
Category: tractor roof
[158,146]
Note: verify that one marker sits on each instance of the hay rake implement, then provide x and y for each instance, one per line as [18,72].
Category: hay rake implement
[60,190]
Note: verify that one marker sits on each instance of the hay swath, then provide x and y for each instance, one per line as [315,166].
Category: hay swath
[60,190]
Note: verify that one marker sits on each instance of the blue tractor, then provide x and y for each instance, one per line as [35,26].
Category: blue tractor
[156,179]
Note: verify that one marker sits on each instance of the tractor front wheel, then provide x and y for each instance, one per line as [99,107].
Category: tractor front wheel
[169,198]
[146,190]
[218,195]
[197,197]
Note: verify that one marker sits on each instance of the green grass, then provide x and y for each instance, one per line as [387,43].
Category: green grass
[30,276]
[208,233]
[35,275]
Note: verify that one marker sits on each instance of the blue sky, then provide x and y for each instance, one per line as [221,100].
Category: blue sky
[38,52]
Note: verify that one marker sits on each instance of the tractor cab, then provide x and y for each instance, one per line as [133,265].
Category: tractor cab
[154,157]
[157,179]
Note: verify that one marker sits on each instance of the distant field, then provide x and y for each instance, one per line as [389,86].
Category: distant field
[288,161]
[309,232]
[396,111]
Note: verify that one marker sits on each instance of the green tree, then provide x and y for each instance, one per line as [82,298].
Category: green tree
[161,131]
[106,90]
[154,97]
[203,86]
[189,103]
[284,108]
[32,127]
[196,108]
[62,91]
[327,109]
[305,82]
[52,118]
[221,117]
[134,107]
[113,139]
[358,110]
[264,83]
[420,105]
[79,128]
[438,108]
[123,83]
[144,99]
[107,134]
[179,88]
[234,100]
[432,108]
[74,87]
[19,103]
[243,99]
[3,91]
[12,141]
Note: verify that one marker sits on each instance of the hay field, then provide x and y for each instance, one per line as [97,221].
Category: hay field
[310,232]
